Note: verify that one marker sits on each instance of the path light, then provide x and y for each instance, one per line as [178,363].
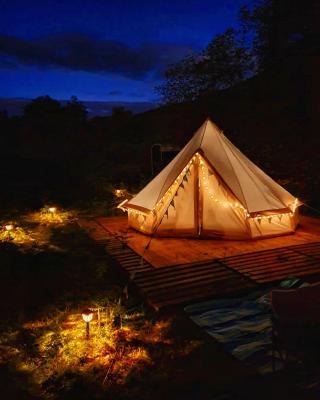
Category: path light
[87,316]
[52,210]
[9,231]
[119,192]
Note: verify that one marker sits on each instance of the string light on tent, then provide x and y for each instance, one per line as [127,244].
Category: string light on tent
[177,183]
[225,204]
[261,218]
[168,194]
[236,204]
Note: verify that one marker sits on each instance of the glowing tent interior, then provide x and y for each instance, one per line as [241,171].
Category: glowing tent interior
[210,189]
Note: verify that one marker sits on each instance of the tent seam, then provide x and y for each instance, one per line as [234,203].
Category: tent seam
[250,166]
[255,184]
[233,171]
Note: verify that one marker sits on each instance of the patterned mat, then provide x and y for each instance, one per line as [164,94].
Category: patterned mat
[243,325]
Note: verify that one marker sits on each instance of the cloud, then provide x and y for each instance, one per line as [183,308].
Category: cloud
[137,94]
[114,93]
[79,52]
[6,63]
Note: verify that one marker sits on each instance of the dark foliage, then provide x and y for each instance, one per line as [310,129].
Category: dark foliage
[224,62]
[280,29]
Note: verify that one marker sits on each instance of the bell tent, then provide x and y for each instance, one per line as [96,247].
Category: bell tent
[211,189]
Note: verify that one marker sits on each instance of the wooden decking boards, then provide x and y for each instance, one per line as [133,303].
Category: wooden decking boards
[183,283]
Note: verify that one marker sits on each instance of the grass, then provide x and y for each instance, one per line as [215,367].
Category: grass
[45,283]
[131,354]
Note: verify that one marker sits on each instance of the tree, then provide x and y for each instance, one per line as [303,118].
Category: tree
[120,113]
[222,64]
[226,61]
[182,81]
[75,110]
[41,108]
[279,28]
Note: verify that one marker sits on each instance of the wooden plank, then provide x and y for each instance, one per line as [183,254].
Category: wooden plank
[248,259]
[151,276]
[178,279]
[205,292]
[184,280]
[289,270]
[127,258]
[276,276]
[270,264]
[264,253]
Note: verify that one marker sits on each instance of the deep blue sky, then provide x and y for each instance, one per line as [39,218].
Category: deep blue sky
[101,49]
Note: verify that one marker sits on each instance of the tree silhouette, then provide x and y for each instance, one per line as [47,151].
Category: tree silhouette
[279,29]
[224,62]
[75,110]
[41,108]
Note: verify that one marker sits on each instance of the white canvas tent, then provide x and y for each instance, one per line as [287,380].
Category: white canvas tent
[210,189]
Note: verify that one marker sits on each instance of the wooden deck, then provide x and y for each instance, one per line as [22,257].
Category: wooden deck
[179,271]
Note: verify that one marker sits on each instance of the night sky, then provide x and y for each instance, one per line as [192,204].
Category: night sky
[100,49]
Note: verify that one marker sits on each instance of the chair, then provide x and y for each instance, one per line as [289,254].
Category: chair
[296,324]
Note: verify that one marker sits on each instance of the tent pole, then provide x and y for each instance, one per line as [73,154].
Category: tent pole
[196,197]
[200,202]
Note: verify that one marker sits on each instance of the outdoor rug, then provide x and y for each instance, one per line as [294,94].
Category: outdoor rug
[243,325]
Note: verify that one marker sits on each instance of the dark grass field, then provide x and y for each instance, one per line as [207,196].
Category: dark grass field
[132,353]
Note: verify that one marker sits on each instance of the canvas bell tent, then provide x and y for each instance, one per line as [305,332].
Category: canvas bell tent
[210,189]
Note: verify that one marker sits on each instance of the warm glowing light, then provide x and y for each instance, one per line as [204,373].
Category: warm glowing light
[52,210]
[87,315]
[295,204]
[119,192]
[120,206]
[9,227]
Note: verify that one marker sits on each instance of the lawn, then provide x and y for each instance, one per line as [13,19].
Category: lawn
[50,271]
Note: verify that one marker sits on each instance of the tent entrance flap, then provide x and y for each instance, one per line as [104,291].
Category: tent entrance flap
[222,214]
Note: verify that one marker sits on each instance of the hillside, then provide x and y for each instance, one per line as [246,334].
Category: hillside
[14,106]
[272,118]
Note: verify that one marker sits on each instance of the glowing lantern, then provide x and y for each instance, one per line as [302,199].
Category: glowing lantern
[87,316]
[119,192]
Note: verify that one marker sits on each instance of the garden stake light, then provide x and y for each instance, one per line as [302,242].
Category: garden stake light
[87,316]
[9,229]
[52,211]
[119,192]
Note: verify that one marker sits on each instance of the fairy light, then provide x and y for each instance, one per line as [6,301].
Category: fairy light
[235,205]
[167,197]
[224,203]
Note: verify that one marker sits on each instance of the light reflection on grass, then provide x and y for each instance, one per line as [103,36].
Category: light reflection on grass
[17,234]
[32,231]
[46,216]
[59,345]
